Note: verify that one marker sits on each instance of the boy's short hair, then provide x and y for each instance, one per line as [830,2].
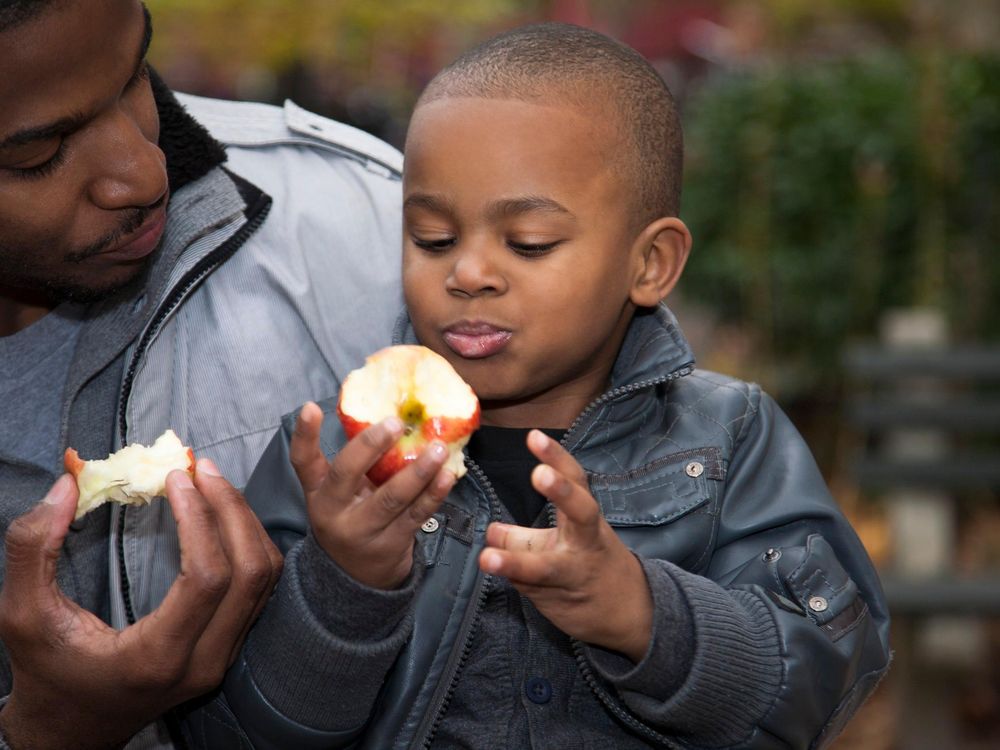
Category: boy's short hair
[586,69]
[13,13]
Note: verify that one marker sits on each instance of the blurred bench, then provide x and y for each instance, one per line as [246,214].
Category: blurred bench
[927,418]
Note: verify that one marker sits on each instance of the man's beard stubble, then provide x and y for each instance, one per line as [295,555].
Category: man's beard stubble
[64,288]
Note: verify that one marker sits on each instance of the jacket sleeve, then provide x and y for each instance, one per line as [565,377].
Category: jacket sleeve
[311,667]
[790,624]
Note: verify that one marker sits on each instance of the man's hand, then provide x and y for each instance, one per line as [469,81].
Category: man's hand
[578,574]
[78,682]
[367,531]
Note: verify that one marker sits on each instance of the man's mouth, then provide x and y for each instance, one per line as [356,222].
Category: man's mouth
[136,237]
[476,339]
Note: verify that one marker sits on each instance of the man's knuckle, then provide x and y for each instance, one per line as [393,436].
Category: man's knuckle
[22,536]
[214,580]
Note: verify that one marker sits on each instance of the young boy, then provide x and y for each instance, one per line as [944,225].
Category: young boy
[642,554]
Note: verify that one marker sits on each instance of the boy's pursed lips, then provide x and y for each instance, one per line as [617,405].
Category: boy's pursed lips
[475,339]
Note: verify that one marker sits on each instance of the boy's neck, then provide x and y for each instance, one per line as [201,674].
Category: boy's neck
[556,413]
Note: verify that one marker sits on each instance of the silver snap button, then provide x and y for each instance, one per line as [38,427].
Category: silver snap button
[772,554]
[430,525]
[817,604]
[694,469]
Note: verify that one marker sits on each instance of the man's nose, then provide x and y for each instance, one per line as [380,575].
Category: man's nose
[130,171]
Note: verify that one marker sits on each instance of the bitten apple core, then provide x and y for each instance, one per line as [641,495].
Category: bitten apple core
[134,475]
[421,388]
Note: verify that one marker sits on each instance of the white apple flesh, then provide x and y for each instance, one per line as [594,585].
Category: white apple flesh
[421,388]
[133,476]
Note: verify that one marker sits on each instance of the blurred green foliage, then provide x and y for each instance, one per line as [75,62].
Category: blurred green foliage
[821,195]
[273,34]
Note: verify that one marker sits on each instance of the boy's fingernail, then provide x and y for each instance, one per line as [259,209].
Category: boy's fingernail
[438,450]
[490,562]
[58,492]
[546,477]
[394,425]
[207,466]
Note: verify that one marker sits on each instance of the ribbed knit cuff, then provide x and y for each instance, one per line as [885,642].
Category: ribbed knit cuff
[323,645]
[735,672]
[667,661]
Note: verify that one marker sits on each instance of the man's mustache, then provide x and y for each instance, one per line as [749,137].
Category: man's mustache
[134,219]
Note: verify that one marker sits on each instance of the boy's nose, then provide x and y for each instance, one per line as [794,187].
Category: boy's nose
[474,274]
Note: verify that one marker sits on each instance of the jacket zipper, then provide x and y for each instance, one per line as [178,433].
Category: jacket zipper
[255,217]
[626,718]
[484,585]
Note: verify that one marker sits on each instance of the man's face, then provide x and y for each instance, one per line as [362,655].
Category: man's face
[517,265]
[83,184]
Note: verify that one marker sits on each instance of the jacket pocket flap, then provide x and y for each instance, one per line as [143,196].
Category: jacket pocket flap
[659,492]
[817,581]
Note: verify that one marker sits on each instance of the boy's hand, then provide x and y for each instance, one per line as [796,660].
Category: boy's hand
[367,531]
[579,574]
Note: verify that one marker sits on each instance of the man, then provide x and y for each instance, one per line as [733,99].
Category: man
[156,274]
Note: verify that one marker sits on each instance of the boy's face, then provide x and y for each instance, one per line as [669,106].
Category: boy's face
[518,252]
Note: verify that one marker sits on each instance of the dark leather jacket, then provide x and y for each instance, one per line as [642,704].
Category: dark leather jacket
[689,466]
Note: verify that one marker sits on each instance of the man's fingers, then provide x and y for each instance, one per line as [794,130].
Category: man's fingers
[35,539]
[254,562]
[308,460]
[192,599]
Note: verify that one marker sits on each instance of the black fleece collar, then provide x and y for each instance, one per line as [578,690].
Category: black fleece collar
[191,152]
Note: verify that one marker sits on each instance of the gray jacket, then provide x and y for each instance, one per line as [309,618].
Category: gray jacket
[705,479]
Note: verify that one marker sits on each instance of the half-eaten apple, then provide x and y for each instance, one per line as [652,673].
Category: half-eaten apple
[133,475]
[421,388]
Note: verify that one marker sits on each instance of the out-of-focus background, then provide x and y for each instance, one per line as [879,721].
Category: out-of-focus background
[843,187]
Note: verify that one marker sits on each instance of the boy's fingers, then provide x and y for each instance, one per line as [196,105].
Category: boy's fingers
[523,568]
[578,507]
[404,492]
[308,460]
[513,538]
[346,473]
[550,452]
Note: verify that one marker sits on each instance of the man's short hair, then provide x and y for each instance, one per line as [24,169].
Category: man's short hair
[15,12]
[590,70]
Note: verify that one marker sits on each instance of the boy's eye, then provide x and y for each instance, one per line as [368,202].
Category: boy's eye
[434,246]
[530,249]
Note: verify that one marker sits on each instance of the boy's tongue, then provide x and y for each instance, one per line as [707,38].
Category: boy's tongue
[476,341]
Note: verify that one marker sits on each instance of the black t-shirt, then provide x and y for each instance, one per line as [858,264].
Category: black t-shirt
[503,454]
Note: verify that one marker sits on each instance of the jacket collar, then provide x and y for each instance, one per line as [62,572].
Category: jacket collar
[190,151]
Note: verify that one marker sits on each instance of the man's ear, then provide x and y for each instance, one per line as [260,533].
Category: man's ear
[661,250]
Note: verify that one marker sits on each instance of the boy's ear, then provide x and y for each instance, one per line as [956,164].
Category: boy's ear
[661,250]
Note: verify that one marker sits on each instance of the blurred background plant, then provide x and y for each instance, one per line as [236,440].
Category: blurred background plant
[842,164]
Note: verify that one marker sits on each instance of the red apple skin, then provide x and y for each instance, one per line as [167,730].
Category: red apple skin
[407,448]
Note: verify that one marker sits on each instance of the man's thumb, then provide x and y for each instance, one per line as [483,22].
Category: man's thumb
[35,539]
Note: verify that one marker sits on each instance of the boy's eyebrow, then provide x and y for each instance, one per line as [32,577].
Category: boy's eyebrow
[73,122]
[434,203]
[508,207]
